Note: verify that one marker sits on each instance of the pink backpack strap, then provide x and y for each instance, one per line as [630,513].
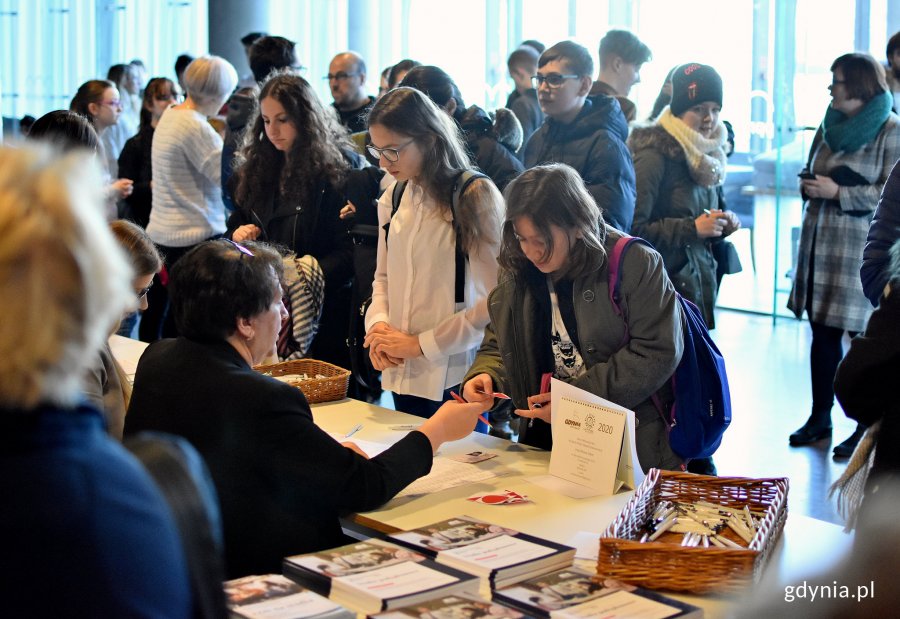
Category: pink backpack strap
[615,264]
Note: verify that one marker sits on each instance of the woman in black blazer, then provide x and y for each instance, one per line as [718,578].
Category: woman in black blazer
[282,481]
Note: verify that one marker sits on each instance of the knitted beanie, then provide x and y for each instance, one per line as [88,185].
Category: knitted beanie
[692,84]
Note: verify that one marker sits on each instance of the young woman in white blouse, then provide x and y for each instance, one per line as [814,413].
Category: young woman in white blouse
[417,333]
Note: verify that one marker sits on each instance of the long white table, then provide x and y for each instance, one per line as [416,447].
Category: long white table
[807,545]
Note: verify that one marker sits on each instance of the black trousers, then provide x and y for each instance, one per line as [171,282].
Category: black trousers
[826,353]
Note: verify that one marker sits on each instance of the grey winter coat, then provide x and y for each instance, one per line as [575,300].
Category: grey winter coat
[833,233]
[516,349]
[668,202]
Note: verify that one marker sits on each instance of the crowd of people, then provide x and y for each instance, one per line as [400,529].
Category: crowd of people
[486,256]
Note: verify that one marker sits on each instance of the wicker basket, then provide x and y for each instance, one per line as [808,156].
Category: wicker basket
[665,564]
[332,387]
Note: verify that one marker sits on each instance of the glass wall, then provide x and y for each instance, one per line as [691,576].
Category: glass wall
[774,56]
[49,47]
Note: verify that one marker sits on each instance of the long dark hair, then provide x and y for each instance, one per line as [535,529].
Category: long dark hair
[410,112]
[316,153]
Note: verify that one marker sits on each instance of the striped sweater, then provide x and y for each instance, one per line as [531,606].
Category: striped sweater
[187,197]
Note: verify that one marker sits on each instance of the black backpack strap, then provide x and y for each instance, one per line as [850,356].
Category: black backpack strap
[396,196]
[462,182]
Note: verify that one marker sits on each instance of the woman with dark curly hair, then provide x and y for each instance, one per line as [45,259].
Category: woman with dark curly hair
[289,179]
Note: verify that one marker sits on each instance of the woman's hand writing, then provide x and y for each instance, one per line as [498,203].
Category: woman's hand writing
[732,222]
[711,224]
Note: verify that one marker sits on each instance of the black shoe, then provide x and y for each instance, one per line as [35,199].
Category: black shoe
[845,449]
[809,434]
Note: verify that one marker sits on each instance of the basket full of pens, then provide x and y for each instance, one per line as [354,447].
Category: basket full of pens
[319,381]
[693,533]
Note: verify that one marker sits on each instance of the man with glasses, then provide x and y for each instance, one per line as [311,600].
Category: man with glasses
[347,80]
[586,133]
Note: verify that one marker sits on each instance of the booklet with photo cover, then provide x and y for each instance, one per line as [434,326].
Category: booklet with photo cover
[272,596]
[575,594]
[374,576]
[454,607]
[498,554]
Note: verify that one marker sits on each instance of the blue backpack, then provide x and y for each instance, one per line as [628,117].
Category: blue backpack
[701,411]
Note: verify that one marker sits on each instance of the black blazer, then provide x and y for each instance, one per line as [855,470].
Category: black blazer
[282,481]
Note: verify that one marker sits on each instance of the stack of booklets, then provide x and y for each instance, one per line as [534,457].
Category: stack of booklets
[574,593]
[499,555]
[273,596]
[374,576]
[454,607]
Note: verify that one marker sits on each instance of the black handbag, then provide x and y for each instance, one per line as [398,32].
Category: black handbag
[727,260]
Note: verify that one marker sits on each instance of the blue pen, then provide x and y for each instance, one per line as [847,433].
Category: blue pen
[355,429]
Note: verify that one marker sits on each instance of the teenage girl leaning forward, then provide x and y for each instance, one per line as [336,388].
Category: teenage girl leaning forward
[551,313]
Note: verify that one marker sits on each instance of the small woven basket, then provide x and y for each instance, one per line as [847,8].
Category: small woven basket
[665,564]
[332,387]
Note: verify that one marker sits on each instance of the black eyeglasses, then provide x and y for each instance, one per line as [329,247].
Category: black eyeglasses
[244,251]
[553,80]
[340,75]
[390,154]
[143,291]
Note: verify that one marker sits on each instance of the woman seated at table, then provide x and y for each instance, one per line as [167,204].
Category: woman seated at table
[551,313]
[106,385]
[281,480]
[85,531]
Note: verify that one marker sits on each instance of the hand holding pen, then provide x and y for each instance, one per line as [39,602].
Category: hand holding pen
[459,399]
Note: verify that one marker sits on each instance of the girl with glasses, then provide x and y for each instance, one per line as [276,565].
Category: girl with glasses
[106,384]
[98,101]
[417,334]
[289,179]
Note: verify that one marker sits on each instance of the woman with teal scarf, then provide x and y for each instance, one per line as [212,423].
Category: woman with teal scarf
[850,159]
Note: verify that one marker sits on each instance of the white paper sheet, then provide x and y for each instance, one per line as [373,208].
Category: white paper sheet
[371,448]
[446,473]
[586,544]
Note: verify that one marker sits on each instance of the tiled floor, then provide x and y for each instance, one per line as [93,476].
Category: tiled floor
[768,370]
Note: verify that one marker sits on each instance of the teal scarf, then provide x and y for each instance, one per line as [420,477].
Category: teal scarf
[849,134]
